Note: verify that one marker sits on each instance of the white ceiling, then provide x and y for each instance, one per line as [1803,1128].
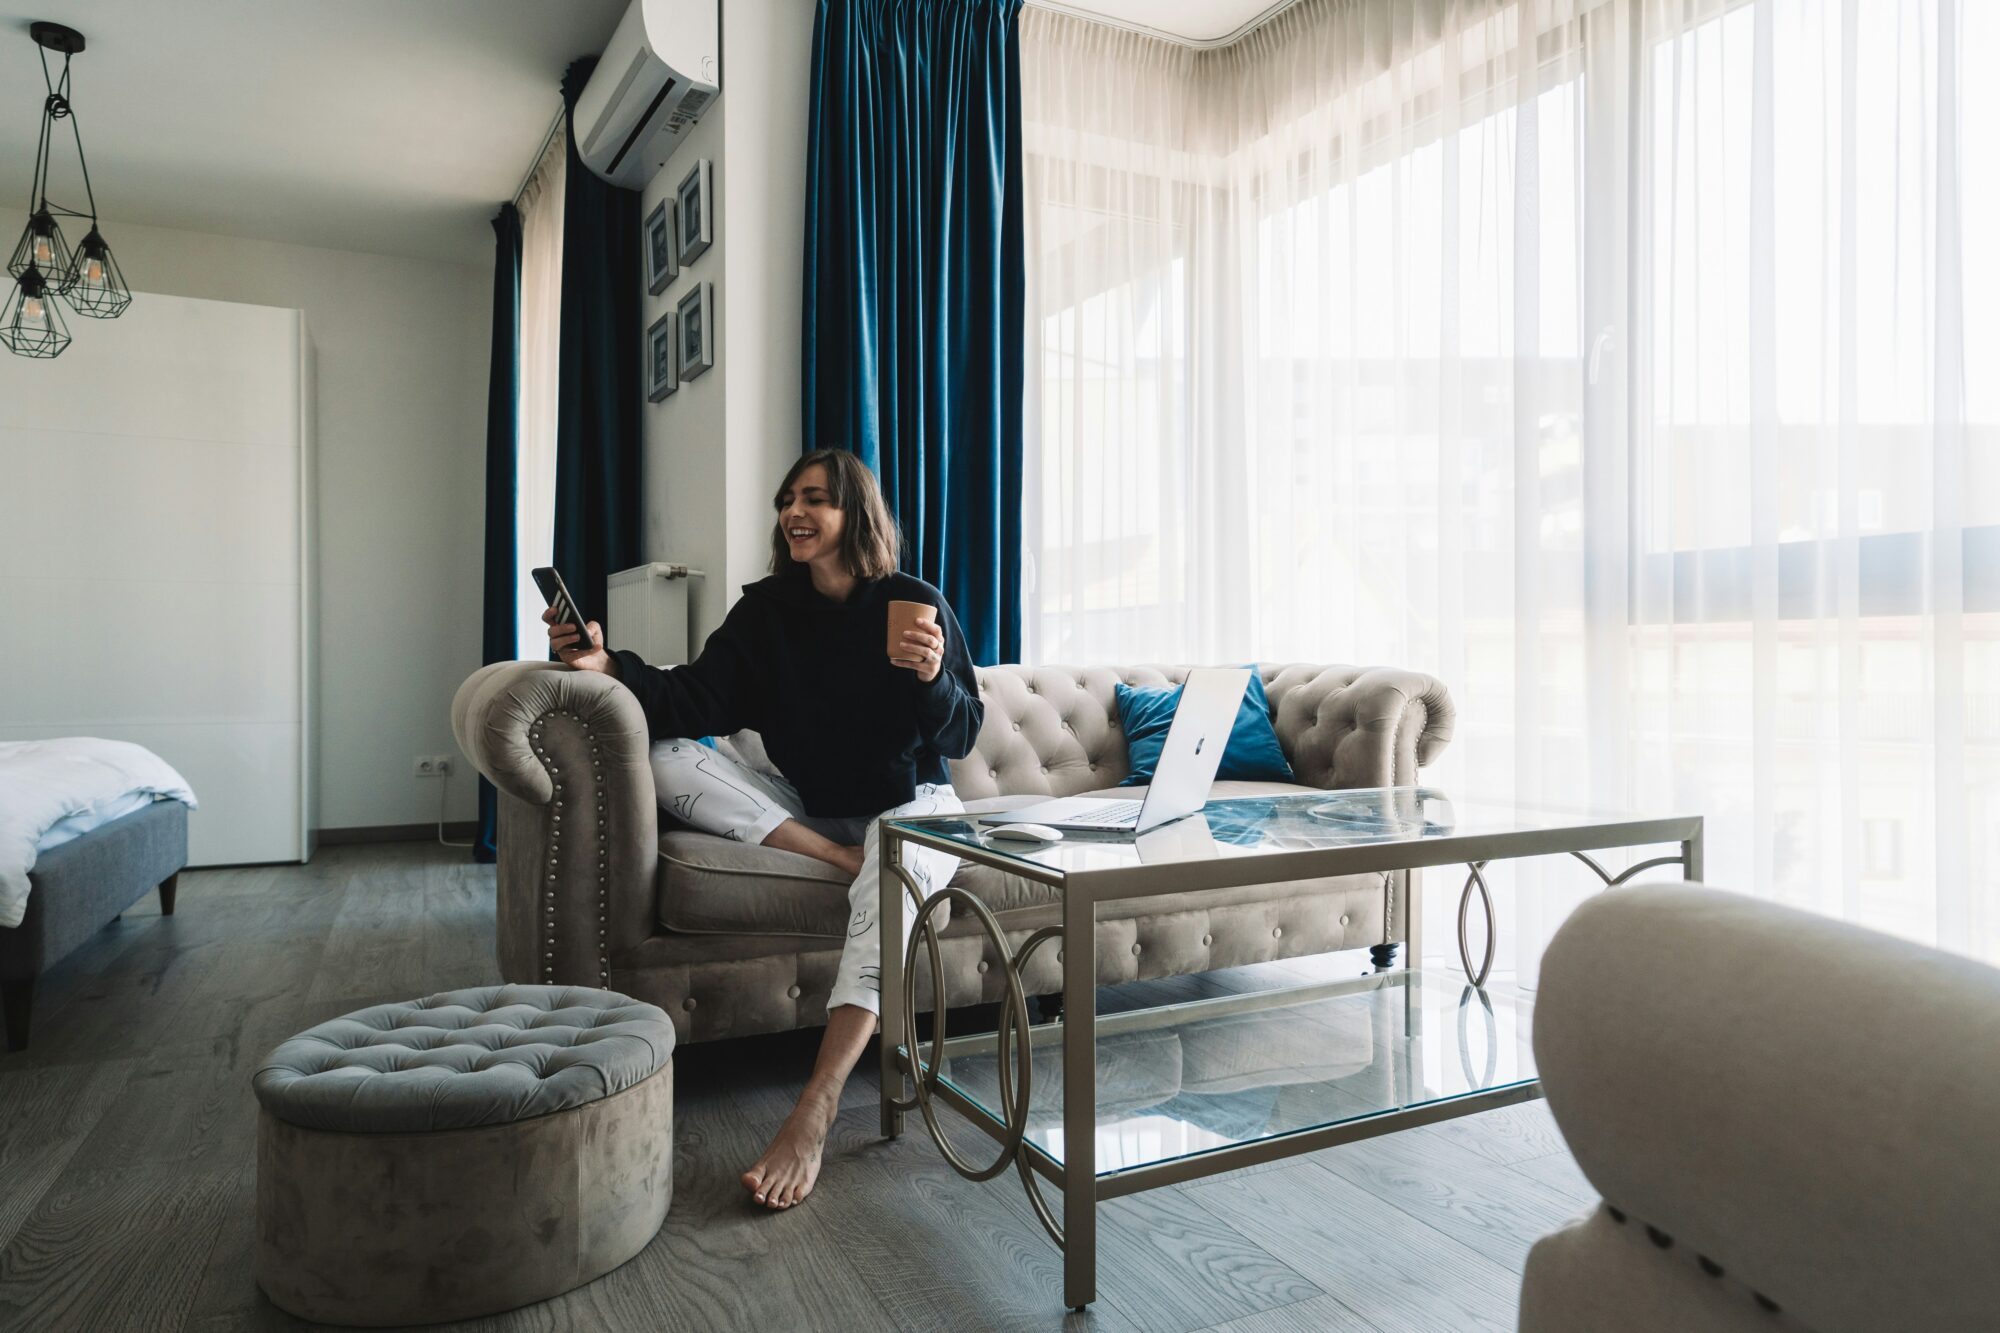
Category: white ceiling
[1199,21]
[387,126]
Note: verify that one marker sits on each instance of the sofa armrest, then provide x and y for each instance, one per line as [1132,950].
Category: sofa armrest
[1344,726]
[579,822]
[1806,1103]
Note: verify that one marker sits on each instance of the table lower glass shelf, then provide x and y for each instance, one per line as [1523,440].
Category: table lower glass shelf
[1189,1080]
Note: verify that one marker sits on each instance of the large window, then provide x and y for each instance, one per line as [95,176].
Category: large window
[1622,372]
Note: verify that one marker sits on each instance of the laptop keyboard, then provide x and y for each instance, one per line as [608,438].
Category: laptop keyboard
[1125,812]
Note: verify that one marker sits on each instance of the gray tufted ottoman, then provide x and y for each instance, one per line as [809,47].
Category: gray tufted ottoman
[462,1154]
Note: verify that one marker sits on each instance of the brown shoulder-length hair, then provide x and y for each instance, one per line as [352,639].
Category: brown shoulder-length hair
[870,542]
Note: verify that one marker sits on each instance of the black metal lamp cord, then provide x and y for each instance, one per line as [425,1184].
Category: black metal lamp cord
[56,108]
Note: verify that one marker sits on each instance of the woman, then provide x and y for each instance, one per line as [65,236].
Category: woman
[856,735]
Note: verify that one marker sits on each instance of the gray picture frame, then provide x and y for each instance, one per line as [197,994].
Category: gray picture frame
[694,206]
[662,369]
[659,242]
[696,336]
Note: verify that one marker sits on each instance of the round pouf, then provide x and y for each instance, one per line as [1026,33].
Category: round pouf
[462,1154]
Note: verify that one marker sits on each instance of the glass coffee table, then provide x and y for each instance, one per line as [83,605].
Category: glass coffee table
[1193,1089]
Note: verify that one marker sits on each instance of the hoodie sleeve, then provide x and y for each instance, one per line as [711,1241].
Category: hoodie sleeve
[949,713]
[714,695]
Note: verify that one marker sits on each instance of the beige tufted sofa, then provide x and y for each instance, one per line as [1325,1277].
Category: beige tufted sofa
[598,888]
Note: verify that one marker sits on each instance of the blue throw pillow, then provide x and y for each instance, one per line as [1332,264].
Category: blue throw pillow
[1252,755]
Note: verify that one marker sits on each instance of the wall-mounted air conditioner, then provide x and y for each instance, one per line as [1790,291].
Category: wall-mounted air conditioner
[657,75]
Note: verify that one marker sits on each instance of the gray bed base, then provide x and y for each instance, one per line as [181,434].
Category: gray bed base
[79,888]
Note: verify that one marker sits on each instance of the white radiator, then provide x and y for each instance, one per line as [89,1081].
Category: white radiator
[649,612]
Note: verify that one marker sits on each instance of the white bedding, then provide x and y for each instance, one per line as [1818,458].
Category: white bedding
[54,791]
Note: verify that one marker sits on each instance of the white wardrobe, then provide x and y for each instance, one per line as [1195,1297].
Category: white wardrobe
[157,557]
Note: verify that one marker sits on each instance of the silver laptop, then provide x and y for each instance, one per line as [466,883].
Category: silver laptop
[1196,739]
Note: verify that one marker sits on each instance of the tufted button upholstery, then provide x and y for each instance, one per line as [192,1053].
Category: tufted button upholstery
[490,1055]
[1053,730]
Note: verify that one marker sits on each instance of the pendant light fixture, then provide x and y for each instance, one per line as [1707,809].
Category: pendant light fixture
[33,323]
[43,265]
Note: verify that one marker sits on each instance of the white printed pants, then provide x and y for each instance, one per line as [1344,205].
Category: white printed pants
[711,791]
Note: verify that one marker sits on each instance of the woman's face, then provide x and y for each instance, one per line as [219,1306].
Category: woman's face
[808,518]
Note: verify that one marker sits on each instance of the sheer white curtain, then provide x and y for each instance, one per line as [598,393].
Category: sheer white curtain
[1606,358]
[541,205]
[1114,187]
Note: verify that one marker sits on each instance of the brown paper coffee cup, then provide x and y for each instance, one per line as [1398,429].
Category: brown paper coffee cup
[907,616]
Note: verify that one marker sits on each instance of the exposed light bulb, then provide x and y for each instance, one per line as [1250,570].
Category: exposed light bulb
[93,272]
[45,253]
[31,310]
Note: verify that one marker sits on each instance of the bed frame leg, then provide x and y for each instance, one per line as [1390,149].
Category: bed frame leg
[18,999]
[167,887]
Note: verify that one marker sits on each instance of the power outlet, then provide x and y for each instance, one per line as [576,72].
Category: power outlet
[433,766]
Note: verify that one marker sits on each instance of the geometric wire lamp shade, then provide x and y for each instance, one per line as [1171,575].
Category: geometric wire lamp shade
[42,245]
[32,323]
[96,285]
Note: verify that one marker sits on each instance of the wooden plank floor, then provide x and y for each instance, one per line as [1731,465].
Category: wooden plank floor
[127,1148]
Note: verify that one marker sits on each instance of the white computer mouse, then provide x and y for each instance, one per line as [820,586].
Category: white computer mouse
[1026,833]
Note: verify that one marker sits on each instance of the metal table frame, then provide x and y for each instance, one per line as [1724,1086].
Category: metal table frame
[1076,1175]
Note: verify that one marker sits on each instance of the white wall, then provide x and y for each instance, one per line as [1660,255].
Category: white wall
[768,44]
[401,352]
[716,449]
[685,476]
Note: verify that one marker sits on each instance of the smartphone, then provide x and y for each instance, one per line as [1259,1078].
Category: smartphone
[557,596]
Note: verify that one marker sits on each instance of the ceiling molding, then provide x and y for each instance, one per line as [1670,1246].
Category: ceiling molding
[1242,30]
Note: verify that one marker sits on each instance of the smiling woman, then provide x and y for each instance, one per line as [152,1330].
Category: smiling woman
[854,734]
[845,513]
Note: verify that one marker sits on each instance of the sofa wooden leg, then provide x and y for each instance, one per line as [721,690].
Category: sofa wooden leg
[1383,956]
[18,999]
[167,888]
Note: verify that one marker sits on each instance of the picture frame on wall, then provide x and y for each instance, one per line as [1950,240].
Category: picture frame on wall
[694,202]
[662,358]
[662,250]
[697,330]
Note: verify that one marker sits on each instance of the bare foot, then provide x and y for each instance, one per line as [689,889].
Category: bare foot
[850,860]
[785,1174]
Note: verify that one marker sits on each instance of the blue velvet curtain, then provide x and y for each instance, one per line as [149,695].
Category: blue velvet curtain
[914,282]
[503,383]
[598,389]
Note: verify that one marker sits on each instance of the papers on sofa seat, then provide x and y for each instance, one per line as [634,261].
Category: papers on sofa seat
[57,790]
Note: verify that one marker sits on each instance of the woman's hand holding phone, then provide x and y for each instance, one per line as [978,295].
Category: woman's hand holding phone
[584,652]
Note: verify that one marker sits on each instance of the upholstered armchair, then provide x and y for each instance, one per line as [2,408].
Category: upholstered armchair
[1791,1121]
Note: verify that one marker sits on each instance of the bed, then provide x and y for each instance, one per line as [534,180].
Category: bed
[87,828]
[81,887]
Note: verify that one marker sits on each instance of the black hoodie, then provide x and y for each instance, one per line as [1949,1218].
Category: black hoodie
[852,732]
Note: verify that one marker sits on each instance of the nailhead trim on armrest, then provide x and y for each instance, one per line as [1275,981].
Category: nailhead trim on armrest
[555,839]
